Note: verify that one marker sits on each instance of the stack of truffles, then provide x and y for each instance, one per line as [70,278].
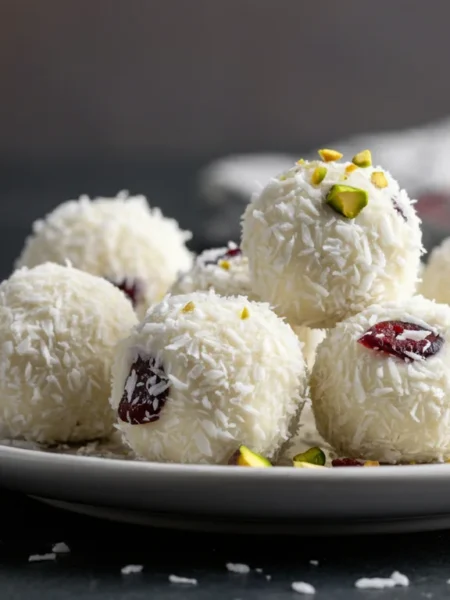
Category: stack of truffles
[110,322]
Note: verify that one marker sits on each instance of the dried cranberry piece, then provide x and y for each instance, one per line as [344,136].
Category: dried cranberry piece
[132,288]
[232,253]
[391,337]
[346,462]
[229,254]
[146,392]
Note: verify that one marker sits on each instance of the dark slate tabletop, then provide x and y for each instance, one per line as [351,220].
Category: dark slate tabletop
[100,549]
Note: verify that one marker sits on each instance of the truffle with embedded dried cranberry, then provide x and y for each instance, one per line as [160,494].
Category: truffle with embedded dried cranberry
[380,386]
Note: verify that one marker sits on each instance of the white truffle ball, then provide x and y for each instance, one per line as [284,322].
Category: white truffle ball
[436,274]
[59,329]
[204,373]
[120,238]
[223,269]
[317,267]
[380,385]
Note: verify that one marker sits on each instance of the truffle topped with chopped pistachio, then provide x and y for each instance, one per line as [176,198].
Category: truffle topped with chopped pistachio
[203,374]
[329,237]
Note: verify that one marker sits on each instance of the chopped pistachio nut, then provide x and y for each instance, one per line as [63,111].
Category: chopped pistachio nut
[318,175]
[225,264]
[315,456]
[328,155]
[363,159]
[350,168]
[346,200]
[378,178]
[244,457]
[245,313]
[301,161]
[307,465]
[189,307]
[371,463]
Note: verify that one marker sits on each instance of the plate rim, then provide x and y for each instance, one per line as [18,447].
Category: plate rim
[385,473]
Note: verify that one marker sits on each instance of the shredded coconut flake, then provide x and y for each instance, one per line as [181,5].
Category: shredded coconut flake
[238,568]
[379,583]
[42,557]
[182,580]
[301,587]
[61,548]
[131,569]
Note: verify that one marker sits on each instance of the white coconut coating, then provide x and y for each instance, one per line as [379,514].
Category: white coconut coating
[310,340]
[59,328]
[223,269]
[230,379]
[317,267]
[370,404]
[436,274]
[229,276]
[120,238]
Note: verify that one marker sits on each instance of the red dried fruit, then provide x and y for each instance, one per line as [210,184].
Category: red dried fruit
[146,392]
[232,253]
[132,288]
[391,337]
[229,254]
[346,462]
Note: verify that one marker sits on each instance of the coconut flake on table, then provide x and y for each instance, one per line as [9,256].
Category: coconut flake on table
[240,568]
[301,587]
[325,267]
[182,580]
[131,569]
[379,583]
[42,557]
[61,548]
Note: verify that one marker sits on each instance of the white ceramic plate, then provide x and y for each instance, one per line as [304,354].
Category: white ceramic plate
[210,498]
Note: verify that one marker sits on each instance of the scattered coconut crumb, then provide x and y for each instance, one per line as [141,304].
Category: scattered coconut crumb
[61,548]
[379,583]
[184,580]
[315,563]
[40,557]
[129,569]
[268,577]
[258,570]
[301,587]
[238,568]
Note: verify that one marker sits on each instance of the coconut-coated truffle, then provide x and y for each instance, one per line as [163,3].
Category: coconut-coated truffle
[59,328]
[380,385]
[223,269]
[122,239]
[325,240]
[202,374]
[436,274]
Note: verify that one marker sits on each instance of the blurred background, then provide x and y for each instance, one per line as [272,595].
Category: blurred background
[147,95]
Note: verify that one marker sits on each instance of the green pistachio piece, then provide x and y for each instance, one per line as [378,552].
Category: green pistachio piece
[314,456]
[346,200]
[363,159]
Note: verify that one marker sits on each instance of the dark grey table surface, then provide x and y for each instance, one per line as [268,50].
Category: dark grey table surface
[100,549]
